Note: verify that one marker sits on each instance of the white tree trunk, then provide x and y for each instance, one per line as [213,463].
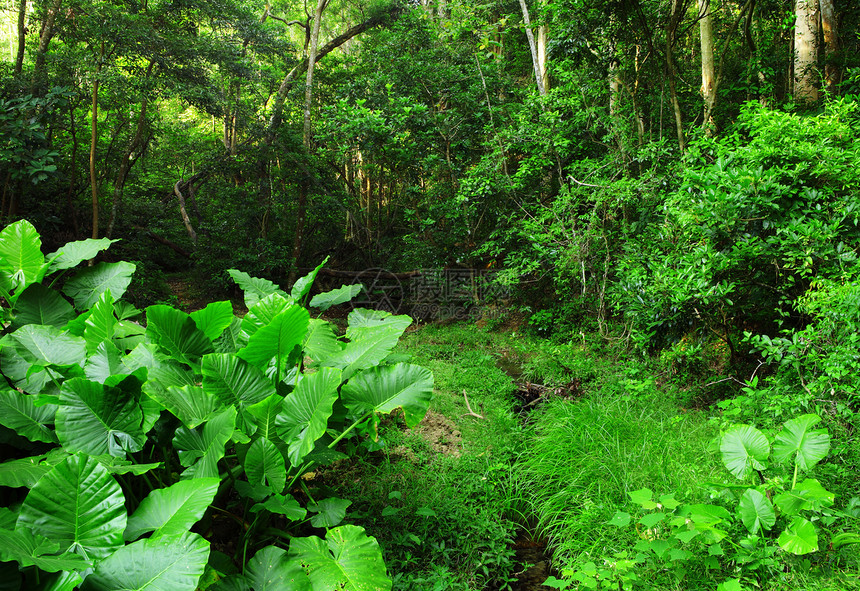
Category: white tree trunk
[709,89]
[533,48]
[805,51]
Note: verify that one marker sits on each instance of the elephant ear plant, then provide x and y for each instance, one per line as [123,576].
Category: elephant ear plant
[130,444]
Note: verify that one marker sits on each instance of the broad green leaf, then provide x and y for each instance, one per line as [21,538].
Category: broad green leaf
[277,339]
[232,338]
[101,322]
[234,381]
[385,388]
[370,343]
[172,510]
[744,449]
[265,414]
[730,585]
[341,295]
[320,341]
[303,285]
[652,519]
[41,305]
[90,283]
[800,537]
[74,253]
[105,362]
[20,413]
[306,412]
[51,346]
[255,289]
[23,473]
[174,389]
[808,494]
[121,466]
[756,511]
[272,570]
[285,505]
[329,512]
[265,465]
[62,581]
[22,367]
[79,505]
[143,355]
[176,332]
[620,519]
[200,452]
[213,319]
[263,312]
[362,318]
[798,443]
[98,419]
[27,549]
[166,563]
[21,259]
[348,559]
[703,515]
[643,497]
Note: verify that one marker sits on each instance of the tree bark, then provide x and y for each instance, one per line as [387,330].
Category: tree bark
[532,48]
[709,89]
[805,51]
[671,32]
[829,26]
[45,38]
[22,40]
[543,33]
[185,219]
[94,136]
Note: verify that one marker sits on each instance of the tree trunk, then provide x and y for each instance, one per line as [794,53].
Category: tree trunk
[805,51]
[45,38]
[94,136]
[73,169]
[22,40]
[829,26]
[671,32]
[543,33]
[533,48]
[709,89]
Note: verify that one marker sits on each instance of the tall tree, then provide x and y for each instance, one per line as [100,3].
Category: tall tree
[806,51]
[830,29]
[709,89]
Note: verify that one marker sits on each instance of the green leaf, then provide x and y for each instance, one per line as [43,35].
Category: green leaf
[382,389]
[265,414]
[620,519]
[808,494]
[255,288]
[362,318]
[74,253]
[277,339]
[306,412]
[284,505]
[105,362]
[730,585]
[200,452]
[20,413]
[90,283]
[78,505]
[320,342]
[303,285]
[798,443]
[172,510]
[329,512]
[234,381]
[177,333]
[41,305]
[21,259]
[51,346]
[23,472]
[652,519]
[800,537]
[272,570]
[232,339]
[643,497]
[214,319]
[744,448]
[27,549]
[166,563]
[756,511]
[341,295]
[98,419]
[348,559]
[265,465]
[372,337]
[101,322]
[263,312]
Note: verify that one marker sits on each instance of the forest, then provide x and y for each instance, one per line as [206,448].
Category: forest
[429,295]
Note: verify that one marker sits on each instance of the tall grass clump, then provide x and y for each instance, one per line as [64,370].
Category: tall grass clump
[584,457]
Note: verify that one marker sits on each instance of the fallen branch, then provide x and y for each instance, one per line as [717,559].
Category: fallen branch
[471,412]
[164,241]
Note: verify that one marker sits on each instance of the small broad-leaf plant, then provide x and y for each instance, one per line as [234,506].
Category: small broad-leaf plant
[132,441]
[770,514]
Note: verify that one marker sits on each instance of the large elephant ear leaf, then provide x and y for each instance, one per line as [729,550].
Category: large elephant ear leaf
[51,346]
[744,448]
[89,284]
[264,465]
[306,412]
[74,253]
[28,549]
[756,511]
[373,334]
[255,289]
[799,443]
[176,332]
[303,285]
[385,388]
[21,259]
[166,563]
[213,319]
[348,559]
[79,505]
[200,452]
[41,305]
[19,412]
[341,295]
[277,339]
[97,419]
[272,570]
[172,510]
